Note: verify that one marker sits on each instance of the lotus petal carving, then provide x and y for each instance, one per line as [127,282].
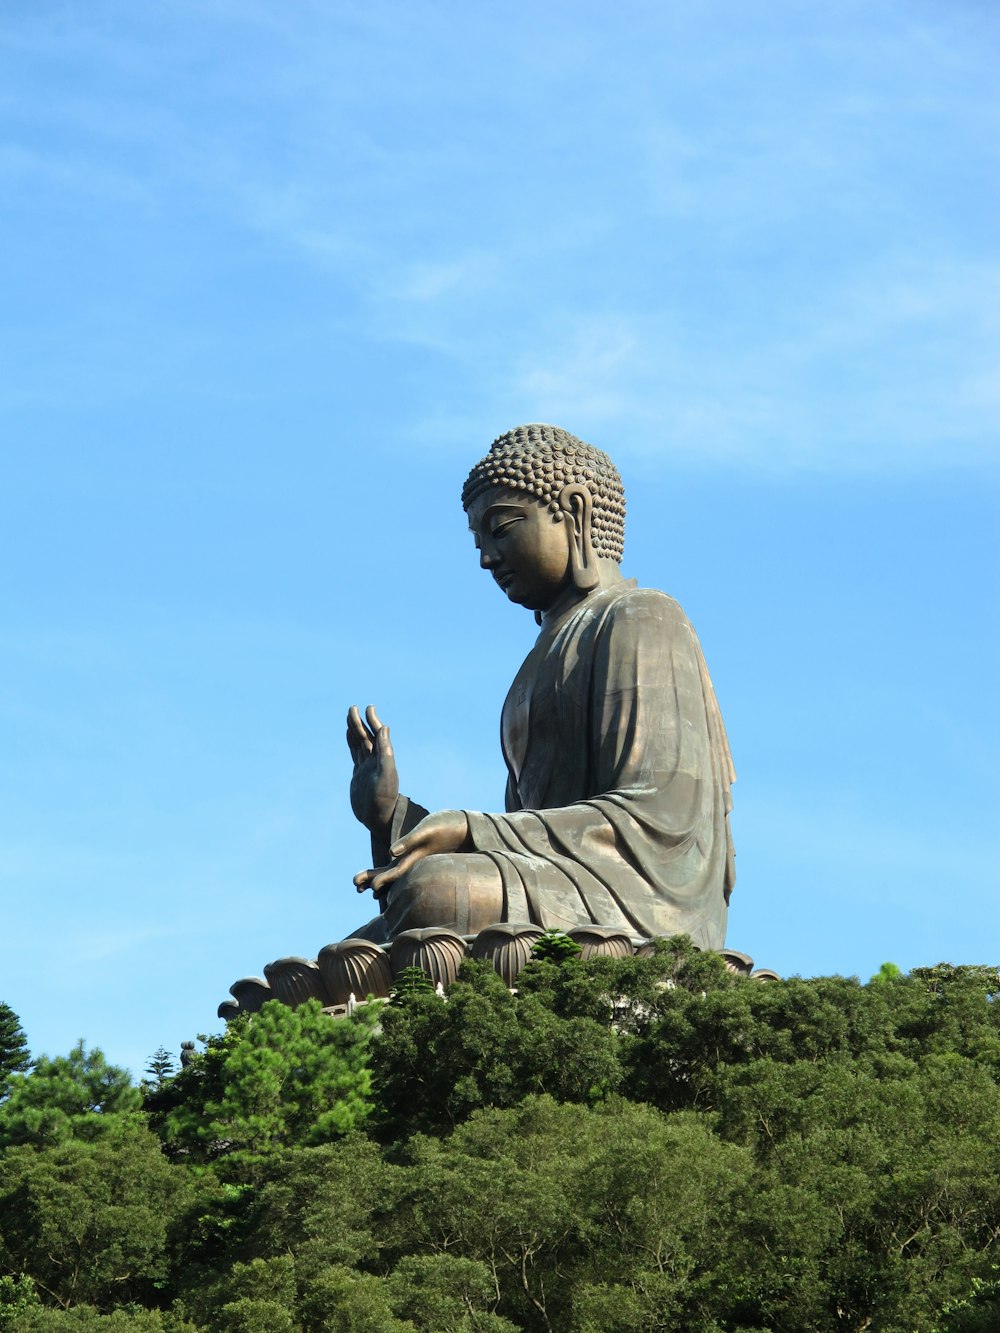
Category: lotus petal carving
[250,993]
[439,952]
[507,945]
[355,967]
[602,942]
[295,980]
[740,963]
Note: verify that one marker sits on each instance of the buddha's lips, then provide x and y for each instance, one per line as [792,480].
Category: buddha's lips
[504,580]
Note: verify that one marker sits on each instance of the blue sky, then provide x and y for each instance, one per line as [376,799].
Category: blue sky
[273,278]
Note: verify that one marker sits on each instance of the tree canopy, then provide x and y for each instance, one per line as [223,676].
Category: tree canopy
[71,1096]
[632,1146]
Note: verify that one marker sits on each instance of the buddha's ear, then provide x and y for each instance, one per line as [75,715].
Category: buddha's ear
[577,503]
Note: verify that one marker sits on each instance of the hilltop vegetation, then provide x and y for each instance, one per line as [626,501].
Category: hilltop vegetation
[651,1144]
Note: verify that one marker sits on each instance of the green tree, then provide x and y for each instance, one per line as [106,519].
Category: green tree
[284,1076]
[555,946]
[89,1221]
[443,1293]
[328,1206]
[14,1054]
[342,1300]
[625,993]
[809,1157]
[569,1208]
[888,972]
[78,1095]
[410,981]
[161,1067]
[938,979]
[85,1319]
[260,1297]
[977,1312]
[18,1296]
[434,1063]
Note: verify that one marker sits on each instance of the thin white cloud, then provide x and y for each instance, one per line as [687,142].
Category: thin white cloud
[863,357]
[586,375]
[425,282]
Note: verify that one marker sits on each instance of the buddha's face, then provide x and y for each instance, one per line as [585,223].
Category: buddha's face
[524,545]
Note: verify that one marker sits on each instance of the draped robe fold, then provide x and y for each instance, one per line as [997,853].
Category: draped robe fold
[619,773]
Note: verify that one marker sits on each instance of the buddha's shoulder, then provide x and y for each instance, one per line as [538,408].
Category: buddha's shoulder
[642,605]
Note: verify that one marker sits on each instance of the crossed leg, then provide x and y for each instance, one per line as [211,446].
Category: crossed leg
[461,891]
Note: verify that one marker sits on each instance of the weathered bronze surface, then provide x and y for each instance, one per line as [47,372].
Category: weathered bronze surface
[619,771]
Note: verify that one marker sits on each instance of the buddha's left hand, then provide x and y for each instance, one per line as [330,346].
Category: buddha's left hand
[444,831]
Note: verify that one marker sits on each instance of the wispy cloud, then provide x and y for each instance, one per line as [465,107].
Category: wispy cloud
[586,372]
[765,279]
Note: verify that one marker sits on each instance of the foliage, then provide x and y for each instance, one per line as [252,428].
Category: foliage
[623,1146]
[14,1055]
[86,1319]
[291,1076]
[75,1096]
[161,1067]
[18,1297]
[89,1221]
[943,977]
[978,1312]
[410,981]
[435,1063]
[316,1204]
[888,972]
[445,1293]
[555,946]
[557,1199]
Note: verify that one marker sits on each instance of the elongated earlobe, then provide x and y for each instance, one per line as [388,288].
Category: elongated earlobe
[577,504]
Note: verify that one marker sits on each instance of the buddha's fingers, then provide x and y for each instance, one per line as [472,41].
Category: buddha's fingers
[381,879]
[383,747]
[359,738]
[357,725]
[372,719]
[363,879]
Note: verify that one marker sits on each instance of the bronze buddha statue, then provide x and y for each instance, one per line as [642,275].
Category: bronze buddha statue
[618,768]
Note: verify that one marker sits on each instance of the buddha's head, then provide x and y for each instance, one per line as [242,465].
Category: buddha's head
[548,514]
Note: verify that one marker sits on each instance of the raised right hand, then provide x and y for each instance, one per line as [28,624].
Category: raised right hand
[374,782]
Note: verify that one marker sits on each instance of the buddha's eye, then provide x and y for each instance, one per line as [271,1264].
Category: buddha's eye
[502,529]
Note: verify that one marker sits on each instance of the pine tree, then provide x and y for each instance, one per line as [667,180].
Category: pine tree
[161,1067]
[75,1096]
[410,981]
[15,1057]
[555,946]
[280,1078]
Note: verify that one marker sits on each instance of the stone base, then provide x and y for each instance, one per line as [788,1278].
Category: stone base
[348,972]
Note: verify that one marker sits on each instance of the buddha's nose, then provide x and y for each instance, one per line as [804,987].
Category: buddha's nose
[486,559]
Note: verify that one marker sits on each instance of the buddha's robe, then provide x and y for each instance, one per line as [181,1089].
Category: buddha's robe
[619,773]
